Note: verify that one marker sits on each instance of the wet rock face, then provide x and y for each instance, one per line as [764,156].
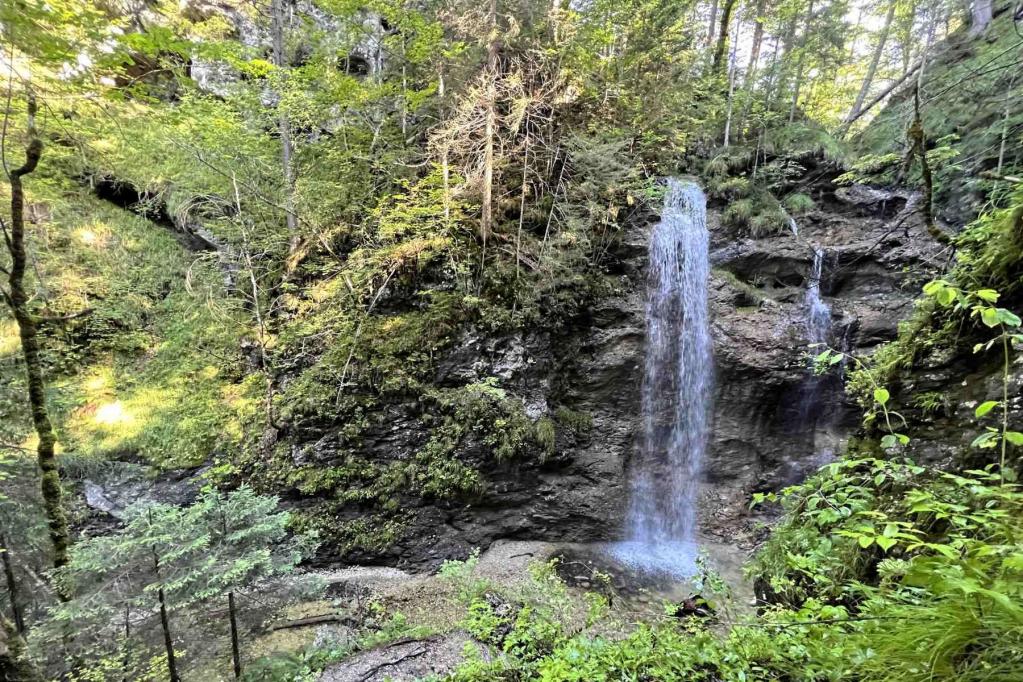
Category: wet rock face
[104,495]
[774,422]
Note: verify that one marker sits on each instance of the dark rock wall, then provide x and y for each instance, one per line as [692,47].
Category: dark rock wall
[773,422]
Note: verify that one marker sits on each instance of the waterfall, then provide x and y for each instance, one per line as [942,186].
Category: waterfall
[677,390]
[817,392]
[818,313]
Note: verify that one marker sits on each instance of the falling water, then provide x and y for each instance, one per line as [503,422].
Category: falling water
[817,392]
[818,313]
[677,385]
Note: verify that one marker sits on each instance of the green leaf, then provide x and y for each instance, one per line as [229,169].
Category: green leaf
[1008,318]
[944,550]
[889,441]
[946,297]
[865,541]
[985,407]
[989,295]
[1014,437]
[885,543]
[903,438]
[985,440]
[989,316]
[881,395]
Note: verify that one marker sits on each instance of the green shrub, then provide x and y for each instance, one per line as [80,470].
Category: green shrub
[798,203]
[738,214]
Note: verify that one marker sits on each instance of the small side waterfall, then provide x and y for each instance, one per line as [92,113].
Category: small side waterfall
[818,313]
[677,387]
[817,393]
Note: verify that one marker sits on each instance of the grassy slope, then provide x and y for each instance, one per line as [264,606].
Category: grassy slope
[153,372]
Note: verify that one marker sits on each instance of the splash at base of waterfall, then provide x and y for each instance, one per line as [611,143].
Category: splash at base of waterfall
[675,559]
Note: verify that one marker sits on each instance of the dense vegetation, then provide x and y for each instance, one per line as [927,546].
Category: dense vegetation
[234,228]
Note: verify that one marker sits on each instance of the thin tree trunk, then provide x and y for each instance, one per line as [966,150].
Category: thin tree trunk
[236,656]
[444,162]
[918,147]
[758,38]
[906,38]
[12,585]
[522,203]
[732,73]
[257,308]
[126,661]
[887,91]
[882,38]
[278,21]
[446,175]
[722,44]
[731,101]
[168,640]
[779,73]
[1005,121]
[487,209]
[800,63]
[712,25]
[27,328]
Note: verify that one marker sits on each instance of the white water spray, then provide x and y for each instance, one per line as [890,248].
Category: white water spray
[677,390]
[818,313]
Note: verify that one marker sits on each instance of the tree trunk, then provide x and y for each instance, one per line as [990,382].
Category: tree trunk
[278,21]
[27,328]
[732,75]
[758,39]
[906,37]
[126,661]
[522,206]
[778,81]
[487,209]
[887,91]
[882,38]
[918,147]
[12,585]
[168,640]
[722,44]
[712,25]
[236,656]
[981,14]
[15,665]
[1005,121]
[801,62]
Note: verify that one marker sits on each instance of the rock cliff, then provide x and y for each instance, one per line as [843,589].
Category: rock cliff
[773,421]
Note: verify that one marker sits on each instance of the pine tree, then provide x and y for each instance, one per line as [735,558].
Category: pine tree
[175,561]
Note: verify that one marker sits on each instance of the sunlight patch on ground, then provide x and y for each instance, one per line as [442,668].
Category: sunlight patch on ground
[111,414]
[9,341]
[93,235]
